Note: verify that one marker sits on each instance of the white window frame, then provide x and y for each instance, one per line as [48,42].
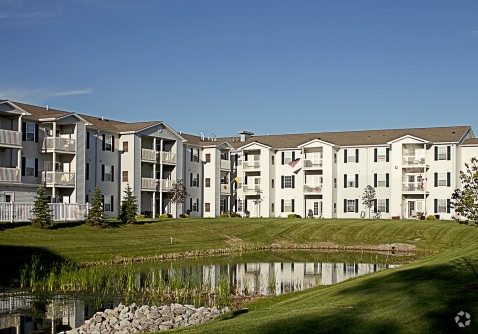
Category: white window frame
[351,155]
[107,203]
[381,180]
[195,155]
[287,205]
[350,205]
[381,205]
[442,179]
[441,206]
[287,157]
[194,208]
[316,208]
[381,154]
[30,167]
[350,180]
[108,142]
[195,180]
[30,135]
[287,181]
[108,173]
[442,152]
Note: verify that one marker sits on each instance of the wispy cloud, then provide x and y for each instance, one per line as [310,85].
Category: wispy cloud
[27,12]
[39,95]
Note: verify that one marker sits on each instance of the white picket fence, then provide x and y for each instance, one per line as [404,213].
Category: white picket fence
[21,212]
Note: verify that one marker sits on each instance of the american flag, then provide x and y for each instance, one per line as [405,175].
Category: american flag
[293,162]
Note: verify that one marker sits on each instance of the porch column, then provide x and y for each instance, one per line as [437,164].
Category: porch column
[53,190]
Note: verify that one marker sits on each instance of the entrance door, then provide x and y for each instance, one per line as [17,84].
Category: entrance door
[411,209]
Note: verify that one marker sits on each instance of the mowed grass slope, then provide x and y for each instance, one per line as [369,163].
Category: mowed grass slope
[420,297]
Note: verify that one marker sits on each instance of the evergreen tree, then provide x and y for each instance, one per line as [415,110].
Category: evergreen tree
[129,207]
[42,216]
[95,216]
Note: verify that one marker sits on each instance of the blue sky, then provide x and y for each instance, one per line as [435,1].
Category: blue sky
[263,66]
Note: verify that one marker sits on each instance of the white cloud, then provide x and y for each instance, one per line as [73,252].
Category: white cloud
[38,95]
[73,92]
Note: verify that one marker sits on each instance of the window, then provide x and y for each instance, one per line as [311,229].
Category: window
[272,207]
[382,205]
[442,179]
[194,154]
[107,201]
[287,181]
[195,206]
[441,206]
[350,205]
[441,152]
[272,159]
[208,157]
[108,143]
[350,180]
[87,171]
[207,207]
[125,146]
[30,132]
[208,182]
[381,154]
[335,158]
[193,180]
[351,155]
[107,173]
[125,176]
[272,183]
[335,207]
[335,182]
[381,180]
[287,205]
[287,157]
[30,167]
[316,208]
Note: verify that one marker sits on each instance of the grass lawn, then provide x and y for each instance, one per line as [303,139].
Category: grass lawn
[420,297]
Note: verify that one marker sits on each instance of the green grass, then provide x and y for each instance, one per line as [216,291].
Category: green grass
[420,297]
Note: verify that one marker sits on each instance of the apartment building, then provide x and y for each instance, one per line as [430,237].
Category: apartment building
[309,174]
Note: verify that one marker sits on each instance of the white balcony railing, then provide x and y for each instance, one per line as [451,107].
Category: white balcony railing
[248,165]
[225,164]
[149,183]
[311,164]
[9,174]
[8,137]
[313,188]
[58,178]
[225,189]
[250,190]
[413,161]
[149,155]
[166,184]
[168,157]
[59,144]
[412,187]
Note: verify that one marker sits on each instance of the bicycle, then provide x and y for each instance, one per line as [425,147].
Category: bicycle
[378,214]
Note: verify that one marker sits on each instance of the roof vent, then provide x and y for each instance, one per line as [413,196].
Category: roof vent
[245,135]
[102,118]
[47,107]
[202,136]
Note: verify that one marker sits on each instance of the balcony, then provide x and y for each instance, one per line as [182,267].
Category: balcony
[225,164]
[166,185]
[58,179]
[168,157]
[9,174]
[10,138]
[148,155]
[148,183]
[313,189]
[250,190]
[413,187]
[251,165]
[225,189]
[58,144]
[413,161]
[312,164]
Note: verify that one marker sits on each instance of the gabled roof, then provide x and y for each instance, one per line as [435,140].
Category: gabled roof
[470,141]
[409,137]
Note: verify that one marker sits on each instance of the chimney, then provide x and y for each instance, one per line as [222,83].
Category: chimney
[245,135]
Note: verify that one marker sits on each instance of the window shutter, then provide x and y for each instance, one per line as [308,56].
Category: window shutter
[356,155]
[112,145]
[282,182]
[197,204]
[293,155]
[24,131]
[87,171]
[435,202]
[436,154]
[448,205]
[245,179]
[245,156]
[191,204]
[345,156]
[448,179]
[281,205]
[387,205]
[112,203]
[283,158]
[436,180]
[293,210]
[345,205]
[448,153]
[245,204]
[102,172]
[190,179]
[87,140]
[387,180]
[36,133]
[293,181]
[356,206]
[387,154]
[24,164]
[103,145]
[345,180]
[356,181]
[197,184]
[235,159]
[103,202]
[375,180]
[375,205]
[36,167]
[375,155]
[112,173]
[191,155]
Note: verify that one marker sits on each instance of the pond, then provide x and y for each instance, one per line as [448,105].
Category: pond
[59,297]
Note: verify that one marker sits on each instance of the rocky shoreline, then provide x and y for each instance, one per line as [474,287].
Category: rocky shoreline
[134,319]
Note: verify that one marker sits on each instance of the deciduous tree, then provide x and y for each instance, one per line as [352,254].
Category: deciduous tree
[178,192]
[368,198]
[465,201]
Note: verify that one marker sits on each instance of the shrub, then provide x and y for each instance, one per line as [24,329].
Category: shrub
[163,216]
[431,217]
[140,216]
[169,215]
[235,214]
[183,215]
[291,215]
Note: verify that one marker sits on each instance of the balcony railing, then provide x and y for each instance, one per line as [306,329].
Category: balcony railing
[166,184]
[8,137]
[225,189]
[149,155]
[311,164]
[9,174]
[313,188]
[248,165]
[58,179]
[149,183]
[412,186]
[168,157]
[225,164]
[413,161]
[59,144]
[250,190]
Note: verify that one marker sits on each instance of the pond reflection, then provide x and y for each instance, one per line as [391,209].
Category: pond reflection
[27,312]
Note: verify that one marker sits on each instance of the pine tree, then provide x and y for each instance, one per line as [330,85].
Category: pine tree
[42,213]
[95,216]
[129,207]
